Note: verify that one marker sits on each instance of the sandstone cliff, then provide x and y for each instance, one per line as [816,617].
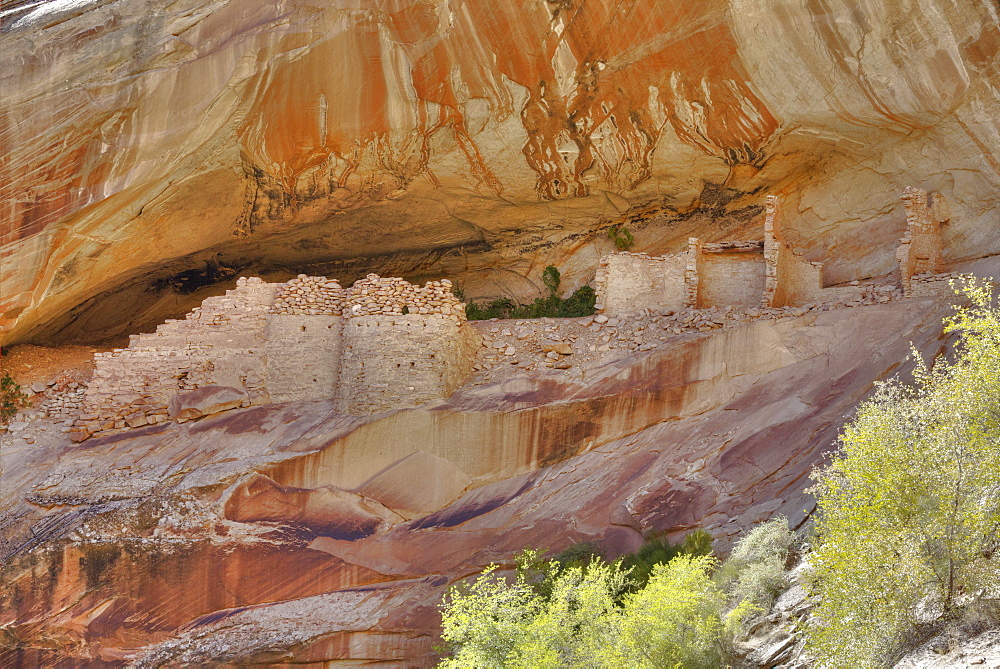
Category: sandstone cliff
[287,532]
[152,150]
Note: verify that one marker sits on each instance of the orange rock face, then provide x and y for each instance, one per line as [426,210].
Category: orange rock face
[149,153]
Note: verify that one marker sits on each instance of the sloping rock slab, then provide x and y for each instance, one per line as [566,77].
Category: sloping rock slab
[418,484]
[205,401]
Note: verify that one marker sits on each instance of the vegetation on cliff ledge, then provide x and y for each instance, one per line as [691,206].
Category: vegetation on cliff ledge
[11,398]
[580,303]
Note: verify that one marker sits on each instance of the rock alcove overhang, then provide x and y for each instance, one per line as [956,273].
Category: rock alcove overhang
[347,246]
[171,146]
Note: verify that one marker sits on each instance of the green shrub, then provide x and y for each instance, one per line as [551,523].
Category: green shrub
[658,550]
[755,570]
[580,303]
[621,236]
[675,621]
[910,505]
[551,279]
[11,398]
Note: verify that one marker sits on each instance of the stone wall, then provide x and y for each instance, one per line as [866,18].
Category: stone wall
[404,345]
[921,250]
[393,361]
[219,343]
[730,275]
[303,356]
[383,343]
[628,282]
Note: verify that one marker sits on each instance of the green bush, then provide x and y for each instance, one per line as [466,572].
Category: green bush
[579,304]
[658,550]
[551,278]
[621,236]
[910,504]
[11,398]
[755,570]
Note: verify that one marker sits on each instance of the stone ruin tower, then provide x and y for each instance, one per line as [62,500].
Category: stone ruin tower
[382,344]
[921,251]
[403,345]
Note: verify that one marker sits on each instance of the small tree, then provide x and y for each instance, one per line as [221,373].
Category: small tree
[551,279]
[556,614]
[492,622]
[910,505]
[621,236]
[11,398]
[755,570]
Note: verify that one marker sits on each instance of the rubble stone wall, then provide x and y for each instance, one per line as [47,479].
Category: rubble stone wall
[291,341]
[394,361]
[628,282]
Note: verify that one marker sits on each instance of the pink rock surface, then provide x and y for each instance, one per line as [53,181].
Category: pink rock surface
[232,540]
[205,401]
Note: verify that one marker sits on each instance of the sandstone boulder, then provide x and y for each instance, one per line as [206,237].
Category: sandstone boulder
[560,347]
[205,401]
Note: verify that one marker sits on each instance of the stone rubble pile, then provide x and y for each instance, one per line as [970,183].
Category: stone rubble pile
[513,346]
[375,295]
[930,285]
[310,295]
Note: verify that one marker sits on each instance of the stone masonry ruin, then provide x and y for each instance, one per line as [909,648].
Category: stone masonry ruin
[387,344]
[763,273]
[381,344]
[921,250]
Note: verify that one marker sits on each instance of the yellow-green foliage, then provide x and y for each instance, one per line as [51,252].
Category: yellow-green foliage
[910,505]
[675,621]
[493,623]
